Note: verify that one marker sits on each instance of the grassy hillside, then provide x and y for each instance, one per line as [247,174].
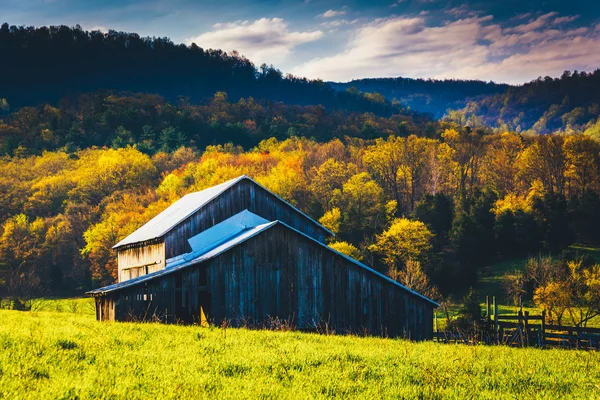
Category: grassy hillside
[64,355]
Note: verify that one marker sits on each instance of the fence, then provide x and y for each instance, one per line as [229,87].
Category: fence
[523,330]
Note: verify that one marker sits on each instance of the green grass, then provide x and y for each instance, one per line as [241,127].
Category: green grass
[50,355]
[77,305]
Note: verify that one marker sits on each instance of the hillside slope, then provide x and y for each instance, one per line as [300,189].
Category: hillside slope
[544,105]
[426,95]
[46,64]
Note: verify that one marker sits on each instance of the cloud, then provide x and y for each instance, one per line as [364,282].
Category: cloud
[98,28]
[336,23]
[473,47]
[533,24]
[264,40]
[565,20]
[332,14]
[461,11]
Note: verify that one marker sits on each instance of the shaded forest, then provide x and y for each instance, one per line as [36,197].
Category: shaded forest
[431,96]
[154,124]
[46,64]
[570,103]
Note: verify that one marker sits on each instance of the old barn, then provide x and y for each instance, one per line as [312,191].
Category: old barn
[238,253]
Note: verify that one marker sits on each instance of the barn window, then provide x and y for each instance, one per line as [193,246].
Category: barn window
[146,291]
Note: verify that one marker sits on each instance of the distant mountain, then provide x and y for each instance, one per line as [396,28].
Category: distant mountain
[426,95]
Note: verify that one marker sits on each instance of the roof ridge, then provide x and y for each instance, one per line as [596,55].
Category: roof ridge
[218,190]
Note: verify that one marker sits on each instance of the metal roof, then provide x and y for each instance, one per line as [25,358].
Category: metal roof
[160,225]
[186,260]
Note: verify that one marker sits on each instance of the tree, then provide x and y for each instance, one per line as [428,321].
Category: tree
[514,285]
[403,241]
[499,168]
[582,159]
[568,287]
[472,235]
[328,177]
[437,212]
[413,277]
[362,207]
[468,148]
[347,249]
[544,161]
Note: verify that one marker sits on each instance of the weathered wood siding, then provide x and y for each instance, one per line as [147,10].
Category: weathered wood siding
[243,195]
[138,261]
[279,274]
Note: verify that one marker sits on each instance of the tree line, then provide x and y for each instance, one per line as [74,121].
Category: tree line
[154,124]
[429,212]
[45,64]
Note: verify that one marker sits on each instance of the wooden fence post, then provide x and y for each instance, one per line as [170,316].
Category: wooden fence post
[543,330]
[520,328]
[526,325]
[496,321]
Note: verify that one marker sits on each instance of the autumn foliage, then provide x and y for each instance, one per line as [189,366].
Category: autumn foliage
[431,211]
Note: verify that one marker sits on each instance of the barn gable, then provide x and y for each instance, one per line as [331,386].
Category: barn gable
[191,203]
[166,235]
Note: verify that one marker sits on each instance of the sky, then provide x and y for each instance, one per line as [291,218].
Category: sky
[510,41]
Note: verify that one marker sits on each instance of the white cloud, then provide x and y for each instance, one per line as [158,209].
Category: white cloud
[99,28]
[468,48]
[264,40]
[332,14]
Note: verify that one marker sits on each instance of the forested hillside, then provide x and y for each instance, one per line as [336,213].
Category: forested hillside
[46,64]
[429,212]
[431,96]
[154,124]
[546,105]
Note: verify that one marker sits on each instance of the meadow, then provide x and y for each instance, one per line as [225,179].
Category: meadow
[65,355]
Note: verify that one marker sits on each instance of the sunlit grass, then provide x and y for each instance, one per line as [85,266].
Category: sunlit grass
[49,355]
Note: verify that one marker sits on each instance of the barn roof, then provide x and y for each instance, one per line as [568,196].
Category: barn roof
[249,225]
[168,219]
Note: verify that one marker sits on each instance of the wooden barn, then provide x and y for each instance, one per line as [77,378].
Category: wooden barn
[239,254]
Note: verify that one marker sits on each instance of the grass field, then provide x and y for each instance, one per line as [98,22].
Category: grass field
[62,355]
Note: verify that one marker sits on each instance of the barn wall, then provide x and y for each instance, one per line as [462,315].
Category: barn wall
[138,261]
[243,195]
[280,273]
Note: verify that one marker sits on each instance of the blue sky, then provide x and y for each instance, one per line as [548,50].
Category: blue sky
[510,41]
